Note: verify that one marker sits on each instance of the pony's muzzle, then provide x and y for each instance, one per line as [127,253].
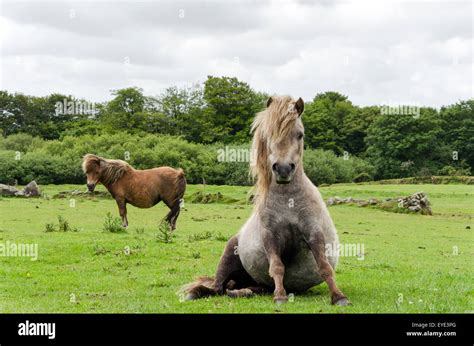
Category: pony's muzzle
[283,172]
[91,187]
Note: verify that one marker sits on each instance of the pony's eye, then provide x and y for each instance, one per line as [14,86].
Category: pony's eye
[300,135]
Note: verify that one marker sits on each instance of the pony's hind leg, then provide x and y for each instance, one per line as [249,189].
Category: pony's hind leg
[229,268]
[317,245]
[173,214]
[122,205]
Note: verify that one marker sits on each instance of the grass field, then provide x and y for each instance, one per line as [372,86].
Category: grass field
[412,263]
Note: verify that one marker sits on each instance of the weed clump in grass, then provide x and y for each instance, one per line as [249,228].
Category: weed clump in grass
[220,237]
[50,227]
[62,226]
[165,234]
[207,198]
[200,236]
[100,250]
[113,224]
[140,230]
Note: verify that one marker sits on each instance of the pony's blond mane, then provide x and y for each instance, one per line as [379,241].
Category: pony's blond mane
[272,124]
[111,170]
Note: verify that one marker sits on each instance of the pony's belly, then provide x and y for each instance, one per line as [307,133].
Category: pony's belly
[300,273]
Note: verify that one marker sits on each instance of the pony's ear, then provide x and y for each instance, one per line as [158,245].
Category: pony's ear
[269,101]
[299,105]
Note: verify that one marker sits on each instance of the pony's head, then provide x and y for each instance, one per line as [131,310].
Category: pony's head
[277,142]
[92,168]
[105,171]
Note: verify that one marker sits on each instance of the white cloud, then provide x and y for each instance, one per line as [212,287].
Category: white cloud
[372,51]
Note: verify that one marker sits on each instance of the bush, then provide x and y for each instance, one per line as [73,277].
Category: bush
[62,226]
[454,171]
[324,166]
[59,161]
[21,142]
[361,178]
[10,168]
[469,180]
[165,233]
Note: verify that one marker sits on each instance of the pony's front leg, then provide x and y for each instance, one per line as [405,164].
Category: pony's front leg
[122,205]
[277,268]
[317,245]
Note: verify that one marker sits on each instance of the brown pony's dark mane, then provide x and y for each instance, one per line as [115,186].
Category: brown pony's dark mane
[111,170]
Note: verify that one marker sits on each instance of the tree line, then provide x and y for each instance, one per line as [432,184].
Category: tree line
[396,140]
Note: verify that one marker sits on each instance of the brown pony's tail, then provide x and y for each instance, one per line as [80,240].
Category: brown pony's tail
[202,287]
[180,184]
[180,188]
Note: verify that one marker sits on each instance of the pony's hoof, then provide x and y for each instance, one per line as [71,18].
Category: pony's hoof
[231,293]
[190,296]
[342,302]
[280,300]
[243,292]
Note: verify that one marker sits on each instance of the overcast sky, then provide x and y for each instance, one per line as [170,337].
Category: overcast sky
[372,51]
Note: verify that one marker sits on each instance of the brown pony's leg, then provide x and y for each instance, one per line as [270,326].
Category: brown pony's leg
[122,205]
[316,243]
[173,214]
[277,268]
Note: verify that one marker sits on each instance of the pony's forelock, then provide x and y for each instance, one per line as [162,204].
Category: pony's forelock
[111,170]
[88,161]
[272,124]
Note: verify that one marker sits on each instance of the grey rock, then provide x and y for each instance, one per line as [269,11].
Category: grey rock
[32,189]
[373,201]
[7,190]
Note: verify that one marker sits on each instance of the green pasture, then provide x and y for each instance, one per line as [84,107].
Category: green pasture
[411,263]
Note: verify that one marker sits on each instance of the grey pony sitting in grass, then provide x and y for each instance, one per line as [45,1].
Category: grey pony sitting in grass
[282,245]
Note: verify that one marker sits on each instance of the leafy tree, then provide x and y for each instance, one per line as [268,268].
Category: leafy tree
[457,122]
[231,107]
[324,120]
[184,109]
[355,126]
[37,116]
[404,145]
[124,111]
[129,101]
[12,112]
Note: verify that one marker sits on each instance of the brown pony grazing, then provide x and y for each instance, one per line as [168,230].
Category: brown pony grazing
[283,245]
[140,188]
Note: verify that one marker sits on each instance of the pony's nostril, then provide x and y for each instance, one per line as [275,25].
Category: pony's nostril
[292,166]
[275,167]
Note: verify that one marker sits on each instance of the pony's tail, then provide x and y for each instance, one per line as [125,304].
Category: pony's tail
[180,184]
[180,188]
[200,288]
